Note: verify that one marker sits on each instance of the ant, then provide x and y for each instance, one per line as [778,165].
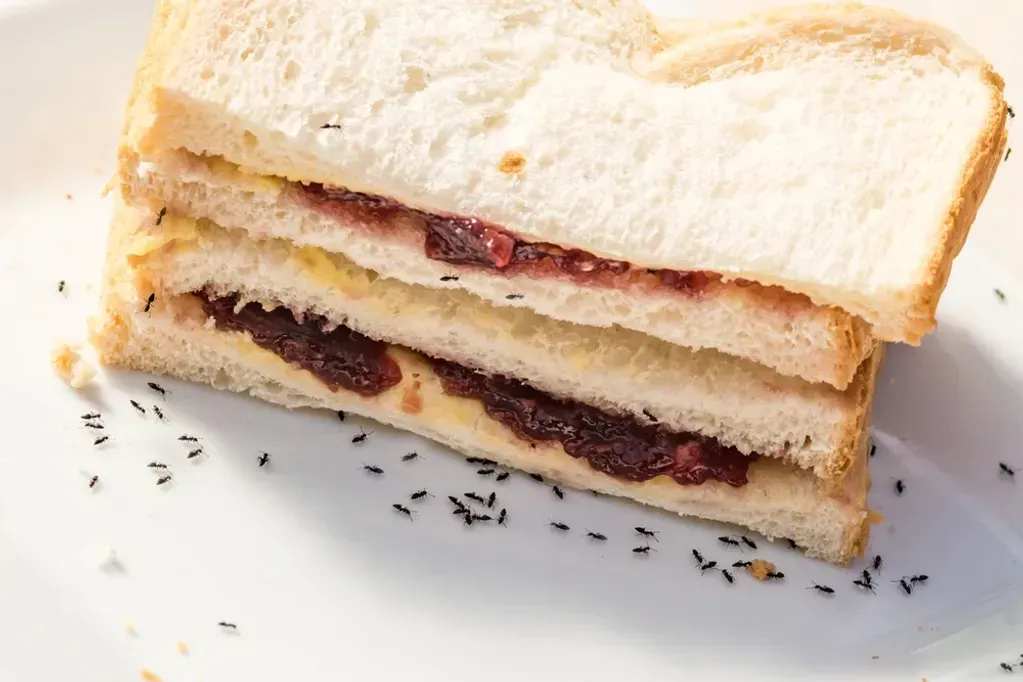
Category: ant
[158,388]
[93,481]
[775,575]
[461,508]
[101,440]
[559,492]
[536,477]
[159,413]
[792,543]
[482,518]
[698,556]
[649,415]
[746,541]
[900,487]
[229,626]
[60,286]
[1007,470]
[708,566]
[138,407]
[330,126]
[514,297]
[865,584]
[341,415]
[449,278]
[418,495]
[876,563]
[480,460]
[906,586]
[502,477]
[642,550]
[491,499]
[596,536]
[161,215]
[647,533]
[742,564]
[475,498]
[823,589]
[403,510]
[560,526]
[410,456]
[485,472]
[93,425]
[502,517]
[263,459]
[1006,667]
[873,448]
[728,576]
[165,479]
[188,439]
[158,465]
[372,469]
[731,542]
[90,416]
[361,438]
[149,303]
[195,453]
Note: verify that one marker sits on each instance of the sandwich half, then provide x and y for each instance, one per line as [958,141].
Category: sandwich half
[786,189]
[696,433]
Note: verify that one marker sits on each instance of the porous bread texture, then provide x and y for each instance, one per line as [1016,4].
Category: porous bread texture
[770,326]
[174,338]
[837,151]
[740,403]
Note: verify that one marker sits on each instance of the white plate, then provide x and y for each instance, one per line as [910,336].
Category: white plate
[325,581]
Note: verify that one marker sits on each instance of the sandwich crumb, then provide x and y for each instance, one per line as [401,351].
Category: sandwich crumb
[513,163]
[69,365]
[412,399]
[129,629]
[874,518]
[68,197]
[150,676]
[760,569]
[182,648]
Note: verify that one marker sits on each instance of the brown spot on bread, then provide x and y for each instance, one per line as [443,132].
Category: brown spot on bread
[760,568]
[512,163]
[412,399]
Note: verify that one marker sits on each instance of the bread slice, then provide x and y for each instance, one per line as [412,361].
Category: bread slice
[173,338]
[768,325]
[839,152]
[741,404]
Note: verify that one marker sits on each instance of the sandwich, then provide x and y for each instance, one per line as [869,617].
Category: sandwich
[789,189]
[632,257]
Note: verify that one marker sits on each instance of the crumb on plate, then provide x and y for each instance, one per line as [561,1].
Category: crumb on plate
[150,676]
[130,629]
[182,648]
[67,361]
[760,568]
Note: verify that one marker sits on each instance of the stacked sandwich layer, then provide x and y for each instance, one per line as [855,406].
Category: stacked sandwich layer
[642,296]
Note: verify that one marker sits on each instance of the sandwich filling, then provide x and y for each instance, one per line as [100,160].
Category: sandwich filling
[613,444]
[471,242]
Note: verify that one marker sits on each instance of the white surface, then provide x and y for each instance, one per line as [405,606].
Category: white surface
[326,581]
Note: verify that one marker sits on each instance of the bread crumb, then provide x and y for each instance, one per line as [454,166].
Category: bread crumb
[109,562]
[69,365]
[182,648]
[760,568]
[874,518]
[150,676]
[129,629]
[412,399]
[513,163]
[921,628]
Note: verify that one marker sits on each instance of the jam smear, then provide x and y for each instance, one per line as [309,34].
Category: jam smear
[467,241]
[340,357]
[615,445]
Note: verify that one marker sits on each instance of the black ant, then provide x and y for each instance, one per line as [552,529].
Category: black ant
[649,415]
[158,465]
[229,626]
[341,415]
[475,498]
[728,576]
[159,413]
[330,126]
[731,542]
[138,407]
[420,494]
[502,517]
[410,456]
[93,425]
[90,416]
[865,585]
[361,438]
[877,563]
[905,585]
[403,510]
[560,526]
[161,215]
[485,472]
[480,460]
[596,536]
[263,459]
[792,543]
[165,479]
[60,286]
[742,564]
[372,469]
[101,440]
[746,541]
[823,589]
[873,448]
[652,534]
[158,388]
[1007,470]
[93,481]
[698,556]
[1006,667]
[900,487]
[482,518]
[449,278]
[491,499]
[559,492]
[188,439]
[708,566]
[536,477]
[195,453]
[775,575]
[514,297]
[502,477]
[646,549]
[149,303]
[461,508]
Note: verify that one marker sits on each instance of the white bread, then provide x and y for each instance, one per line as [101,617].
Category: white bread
[742,404]
[768,325]
[837,151]
[173,338]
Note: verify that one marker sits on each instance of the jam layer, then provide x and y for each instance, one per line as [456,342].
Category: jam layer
[471,242]
[616,445]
